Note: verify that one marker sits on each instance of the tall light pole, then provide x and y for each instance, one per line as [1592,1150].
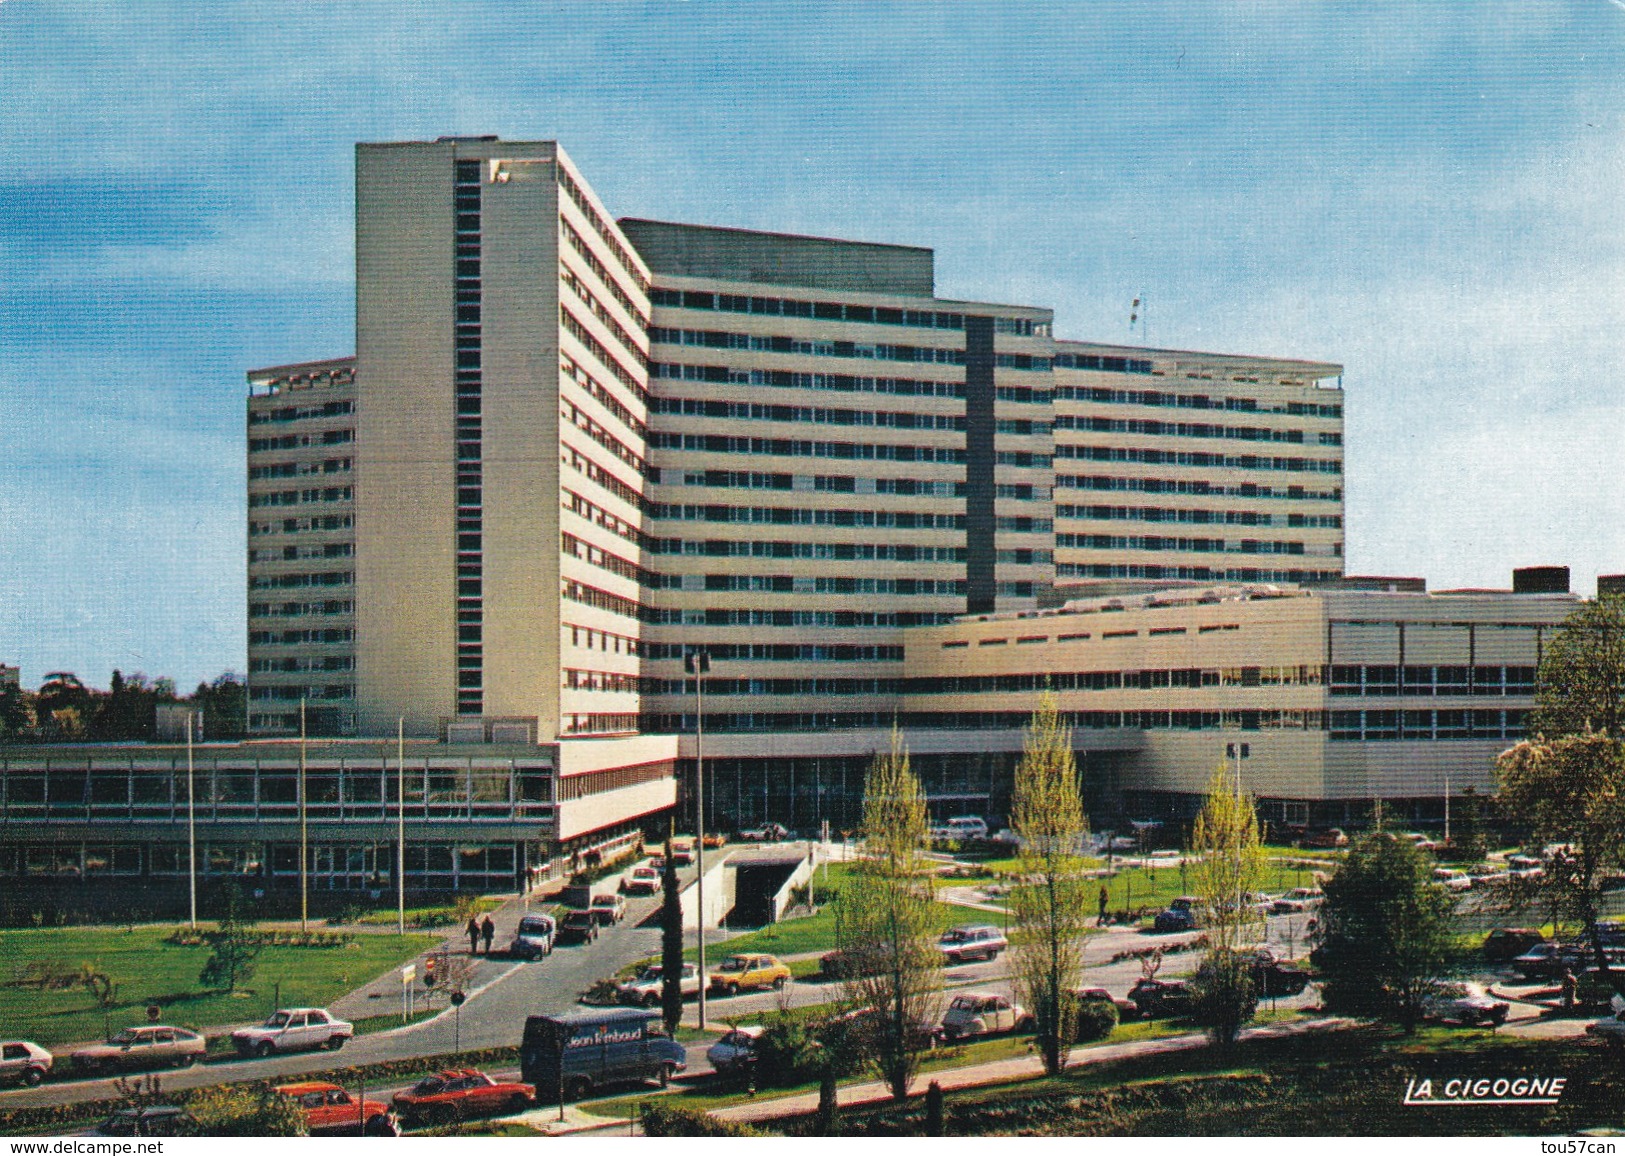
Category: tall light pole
[304,848]
[400,823]
[698,663]
[191,824]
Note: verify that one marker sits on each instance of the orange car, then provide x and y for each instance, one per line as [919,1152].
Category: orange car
[459,1094]
[331,1111]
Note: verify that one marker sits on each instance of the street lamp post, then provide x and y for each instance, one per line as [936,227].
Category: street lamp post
[1238,751]
[400,824]
[698,663]
[304,847]
[191,824]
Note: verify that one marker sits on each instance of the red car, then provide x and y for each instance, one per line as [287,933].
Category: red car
[459,1094]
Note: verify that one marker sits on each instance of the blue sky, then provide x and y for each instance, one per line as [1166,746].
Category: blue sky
[1427,193]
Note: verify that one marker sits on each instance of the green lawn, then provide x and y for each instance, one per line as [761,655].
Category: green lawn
[147,971]
[437,915]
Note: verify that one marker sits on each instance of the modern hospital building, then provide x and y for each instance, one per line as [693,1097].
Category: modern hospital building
[569,449]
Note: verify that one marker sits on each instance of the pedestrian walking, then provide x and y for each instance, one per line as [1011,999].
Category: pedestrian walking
[488,931]
[473,933]
[1103,898]
[1571,989]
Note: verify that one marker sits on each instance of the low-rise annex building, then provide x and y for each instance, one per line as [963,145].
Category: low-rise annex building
[1322,699]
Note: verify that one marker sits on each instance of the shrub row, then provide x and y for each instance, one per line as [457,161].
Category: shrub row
[190,937]
[667,1120]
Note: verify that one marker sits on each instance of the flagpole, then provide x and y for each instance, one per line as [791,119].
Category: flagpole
[304,846]
[191,824]
[400,823]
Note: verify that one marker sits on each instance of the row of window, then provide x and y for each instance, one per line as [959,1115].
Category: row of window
[1102,363]
[573,414]
[834,311]
[745,411]
[847,451]
[1427,725]
[1429,681]
[606,680]
[369,865]
[330,636]
[331,437]
[296,553]
[295,497]
[602,394]
[823,619]
[1186,429]
[299,609]
[805,584]
[1182,545]
[299,469]
[1194,517]
[1194,486]
[842,484]
[800,516]
[293,665]
[838,382]
[777,652]
[829,551]
[1195,573]
[294,581]
[805,347]
[300,412]
[331,692]
[1155,457]
[302,525]
[1193,401]
[571,325]
[597,723]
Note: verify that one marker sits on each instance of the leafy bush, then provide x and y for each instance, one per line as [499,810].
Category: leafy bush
[1096,1019]
[788,1052]
[664,1120]
[237,1110]
[1225,996]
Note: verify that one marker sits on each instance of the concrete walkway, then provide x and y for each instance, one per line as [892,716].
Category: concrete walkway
[1003,1071]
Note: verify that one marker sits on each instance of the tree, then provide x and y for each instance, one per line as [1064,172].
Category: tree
[885,929]
[1386,932]
[671,940]
[1571,790]
[1468,840]
[1050,903]
[1228,868]
[224,703]
[1580,685]
[1229,859]
[232,960]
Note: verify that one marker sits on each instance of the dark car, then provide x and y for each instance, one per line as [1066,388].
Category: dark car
[577,927]
[1507,943]
[1180,916]
[1548,961]
[1159,998]
[153,1120]
[1272,978]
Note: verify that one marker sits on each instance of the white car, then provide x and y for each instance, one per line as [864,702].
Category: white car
[293,1029]
[640,881]
[735,1051]
[646,987]
[963,944]
[22,1062]
[1465,1003]
[981,1013]
[1451,879]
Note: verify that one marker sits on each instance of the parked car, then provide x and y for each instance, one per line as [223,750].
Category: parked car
[23,1062]
[460,1094]
[147,1046]
[1611,1028]
[578,1053]
[962,944]
[331,1111]
[766,833]
[1179,916]
[681,852]
[293,1029]
[608,909]
[1465,1003]
[969,826]
[640,881]
[1333,837]
[735,1052]
[1420,841]
[579,926]
[534,937]
[713,842]
[1157,998]
[1504,944]
[1298,899]
[1548,960]
[1273,978]
[739,972]
[866,1022]
[153,1120]
[980,1013]
[647,986]
[1452,879]
[845,963]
